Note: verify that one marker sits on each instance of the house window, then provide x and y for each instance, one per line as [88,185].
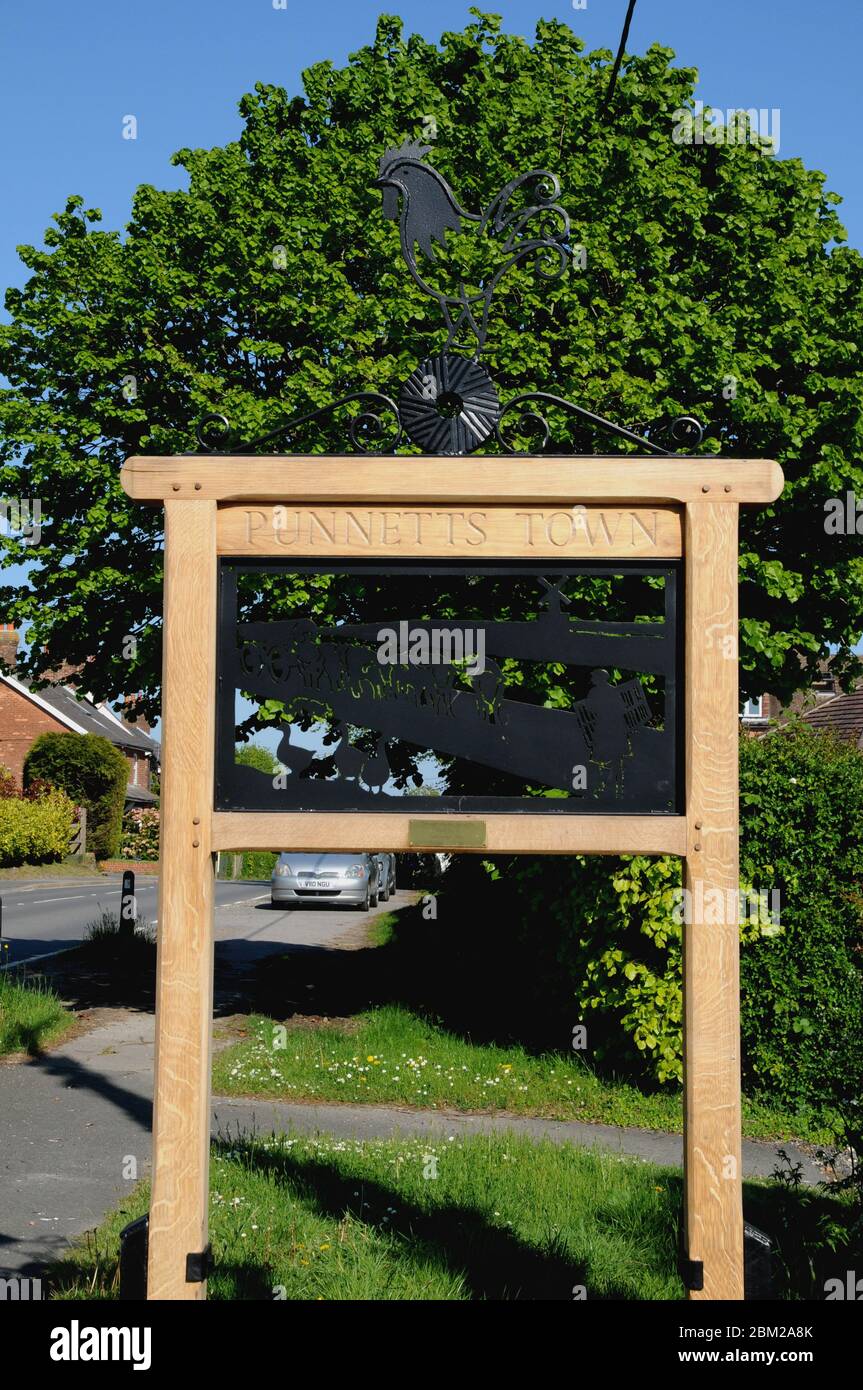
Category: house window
[753,709]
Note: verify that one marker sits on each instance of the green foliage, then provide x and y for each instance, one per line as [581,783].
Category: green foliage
[254,864]
[272,285]
[802,990]
[94,774]
[602,933]
[141,834]
[35,832]
[255,755]
[258,864]
[638,980]
[8,785]
[31,1014]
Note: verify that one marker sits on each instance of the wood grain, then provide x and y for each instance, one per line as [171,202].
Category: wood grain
[184,980]
[265,530]
[452,481]
[712,1161]
[505,834]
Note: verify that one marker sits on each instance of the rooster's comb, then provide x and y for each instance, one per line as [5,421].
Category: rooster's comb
[409,149]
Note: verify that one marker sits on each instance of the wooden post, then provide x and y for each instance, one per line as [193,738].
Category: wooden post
[184,978]
[713,1210]
[709,492]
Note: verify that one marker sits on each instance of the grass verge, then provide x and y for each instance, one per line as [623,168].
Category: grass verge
[485,1217]
[106,942]
[387,1220]
[395,1057]
[67,868]
[31,1015]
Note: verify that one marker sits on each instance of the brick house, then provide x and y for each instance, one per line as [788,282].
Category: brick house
[842,716]
[58,709]
[823,705]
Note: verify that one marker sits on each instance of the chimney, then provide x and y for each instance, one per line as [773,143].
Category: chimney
[66,674]
[131,716]
[8,645]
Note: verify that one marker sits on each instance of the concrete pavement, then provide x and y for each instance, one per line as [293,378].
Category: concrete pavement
[76,1121]
[77,1136]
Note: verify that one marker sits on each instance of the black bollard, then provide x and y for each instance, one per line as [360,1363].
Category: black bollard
[128,907]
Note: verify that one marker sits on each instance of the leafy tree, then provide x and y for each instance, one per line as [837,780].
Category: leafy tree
[93,773]
[255,755]
[272,285]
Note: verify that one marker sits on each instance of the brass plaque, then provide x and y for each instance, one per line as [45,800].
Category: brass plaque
[443,833]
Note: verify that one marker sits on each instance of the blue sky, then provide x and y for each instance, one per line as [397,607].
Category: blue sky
[75,70]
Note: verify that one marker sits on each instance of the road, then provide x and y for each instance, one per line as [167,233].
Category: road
[41,917]
[73,1116]
[48,915]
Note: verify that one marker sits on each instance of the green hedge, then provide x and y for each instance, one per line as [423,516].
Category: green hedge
[554,942]
[802,1000]
[93,773]
[35,832]
[255,864]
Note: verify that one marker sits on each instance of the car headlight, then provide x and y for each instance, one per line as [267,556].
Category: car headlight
[356,871]
[283,870]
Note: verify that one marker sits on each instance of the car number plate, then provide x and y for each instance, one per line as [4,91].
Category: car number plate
[317,883]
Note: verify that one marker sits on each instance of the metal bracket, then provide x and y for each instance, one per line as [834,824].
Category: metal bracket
[690,1271]
[134,1248]
[200,1266]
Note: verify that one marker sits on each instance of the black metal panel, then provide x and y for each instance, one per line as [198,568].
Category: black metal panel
[387,683]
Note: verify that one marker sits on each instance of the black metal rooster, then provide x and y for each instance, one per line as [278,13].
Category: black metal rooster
[429,210]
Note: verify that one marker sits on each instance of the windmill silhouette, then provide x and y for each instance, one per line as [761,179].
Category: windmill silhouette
[555,597]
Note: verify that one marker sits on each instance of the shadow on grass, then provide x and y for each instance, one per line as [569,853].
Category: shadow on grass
[31,1014]
[813,1233]
[456,1240]
[25,1037]
[451,978]
[494,1263]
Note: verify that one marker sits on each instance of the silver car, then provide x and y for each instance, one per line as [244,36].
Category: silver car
[386,876]
[349,879]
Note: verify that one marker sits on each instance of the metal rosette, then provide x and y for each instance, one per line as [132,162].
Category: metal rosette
[448,405]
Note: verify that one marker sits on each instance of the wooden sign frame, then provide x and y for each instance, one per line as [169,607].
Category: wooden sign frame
[222,506]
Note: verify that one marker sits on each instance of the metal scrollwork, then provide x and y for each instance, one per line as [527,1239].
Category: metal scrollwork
[367,428]
[212,432]
[449,403]
[422,202]
[686,429]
